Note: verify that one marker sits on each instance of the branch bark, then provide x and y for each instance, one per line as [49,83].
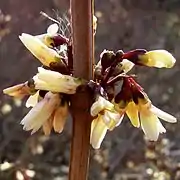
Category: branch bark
[82,36]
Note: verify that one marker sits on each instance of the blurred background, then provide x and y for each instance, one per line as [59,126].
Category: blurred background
[125,154]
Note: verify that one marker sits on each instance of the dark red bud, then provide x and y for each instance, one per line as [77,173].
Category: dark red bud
[133,55]
[59,40]
[107,59]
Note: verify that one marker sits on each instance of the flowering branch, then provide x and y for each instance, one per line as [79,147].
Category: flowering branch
[68,83]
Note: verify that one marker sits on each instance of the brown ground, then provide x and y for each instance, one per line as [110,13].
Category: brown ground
[125,154]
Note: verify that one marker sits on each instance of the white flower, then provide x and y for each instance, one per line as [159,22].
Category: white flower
[57,120]
[107,119]
[47,37]
[126,65]
[98,132]
[41,51]
[100,105]
[157,58]
[55,81]
[19,91]
[32,100]
[146,116]
[41,112]
[150,122]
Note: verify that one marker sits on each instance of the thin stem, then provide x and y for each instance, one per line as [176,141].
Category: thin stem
[82,41]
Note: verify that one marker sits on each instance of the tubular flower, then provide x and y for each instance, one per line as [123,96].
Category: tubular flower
[20,90]
[52,38]
[39,49]
[134,102]
[157,58]
[56,82]
[46,114]
[106,118]
[33,100]
[126,65]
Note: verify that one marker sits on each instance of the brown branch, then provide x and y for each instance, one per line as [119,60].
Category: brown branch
[82,38]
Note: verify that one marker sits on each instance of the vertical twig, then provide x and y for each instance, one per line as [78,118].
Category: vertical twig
[82,12]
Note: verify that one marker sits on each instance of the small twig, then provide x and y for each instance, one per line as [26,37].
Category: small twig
[48,17]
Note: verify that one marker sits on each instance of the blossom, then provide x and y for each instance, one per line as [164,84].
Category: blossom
[41,51]
[157,58]
[133,101]
[55,81]
[20,90]
[124,67]
[47,113]
[33,100]
[106,118]
[57,121]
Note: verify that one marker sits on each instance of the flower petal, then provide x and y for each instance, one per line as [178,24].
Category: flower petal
[98,133]
[126,65]
[47,126]
[149,124]
[157,58]
[60,117]
[39,49]
[100,105]
[55,82]
[163,115]
[111,119]
[40,112]
[52,29]
[32,100]
[19,90]
[161,127]
[132,113]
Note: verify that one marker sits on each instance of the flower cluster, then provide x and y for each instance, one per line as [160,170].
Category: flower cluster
[50,89]
[110,106]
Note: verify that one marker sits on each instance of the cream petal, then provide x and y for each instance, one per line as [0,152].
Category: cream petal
[161,127]
[132,113]
[163,115]
[41,112]
[158,58]
[126,65]
[52,29]
[100,105]
[149,125]
[39,49]
[60,117]
[111,119]
[120,120]
[98,134]
[32,100]
[47,126]
[93,124]
[55,82]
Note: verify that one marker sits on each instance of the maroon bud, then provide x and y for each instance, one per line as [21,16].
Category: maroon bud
[133,55]
[107,59]
[59,40]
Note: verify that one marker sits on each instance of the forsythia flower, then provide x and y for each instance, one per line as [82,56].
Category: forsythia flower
[20,90]
[157,58]
[33,100]
[106,119]
[47,113]
[55,81]
[39,49]
[134,102]
[126,65]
